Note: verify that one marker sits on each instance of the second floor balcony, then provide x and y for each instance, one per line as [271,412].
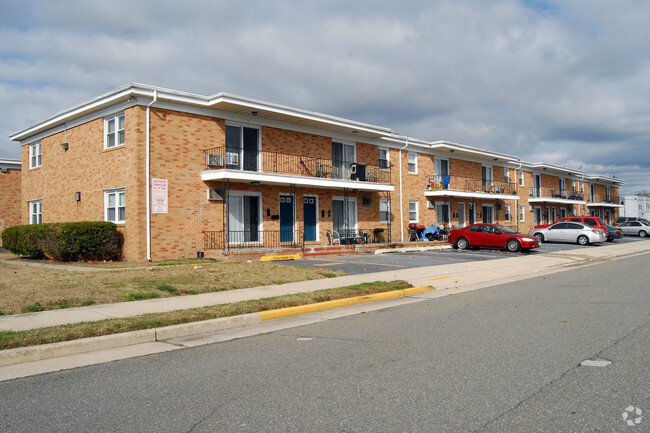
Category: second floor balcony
[555,195]
[473,187]
[244,165]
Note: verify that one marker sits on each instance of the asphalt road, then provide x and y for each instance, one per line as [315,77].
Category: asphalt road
[365,263]
[505,358]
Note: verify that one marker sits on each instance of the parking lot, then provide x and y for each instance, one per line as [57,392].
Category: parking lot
[364,263]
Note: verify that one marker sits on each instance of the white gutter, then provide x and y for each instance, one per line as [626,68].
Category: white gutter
[401,197]
[148,175]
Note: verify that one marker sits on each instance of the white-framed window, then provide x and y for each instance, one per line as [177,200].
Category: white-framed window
[413,211]
[114,131]
[384,161]
[521,178]
[35,212]
[384,210]
[508,218]
[413,162]
[522,213]
[115,205]
[506,175]
[35,155]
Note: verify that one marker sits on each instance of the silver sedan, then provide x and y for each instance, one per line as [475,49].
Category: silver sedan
[570,232]
[635,228]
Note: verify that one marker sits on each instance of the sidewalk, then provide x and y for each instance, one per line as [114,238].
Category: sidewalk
[445,279]
[442,281]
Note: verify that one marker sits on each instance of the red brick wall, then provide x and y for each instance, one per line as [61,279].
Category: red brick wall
[10,199]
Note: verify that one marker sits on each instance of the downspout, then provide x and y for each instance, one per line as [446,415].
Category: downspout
[148,174]
[517,215]
[401,198]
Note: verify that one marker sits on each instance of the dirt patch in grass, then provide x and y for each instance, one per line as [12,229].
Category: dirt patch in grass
[10,339]
[31,288]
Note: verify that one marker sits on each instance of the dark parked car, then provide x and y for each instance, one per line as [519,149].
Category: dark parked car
[491,236]
[613,233]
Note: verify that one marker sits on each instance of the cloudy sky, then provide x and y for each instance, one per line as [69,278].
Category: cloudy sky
[565,82]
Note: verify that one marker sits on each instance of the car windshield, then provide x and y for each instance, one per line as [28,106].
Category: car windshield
[504,229]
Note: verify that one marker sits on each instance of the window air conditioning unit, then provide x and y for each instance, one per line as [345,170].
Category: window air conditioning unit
[212,160]
[431,204]
[215,194]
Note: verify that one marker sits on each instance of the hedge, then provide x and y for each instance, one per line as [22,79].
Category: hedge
[86,240]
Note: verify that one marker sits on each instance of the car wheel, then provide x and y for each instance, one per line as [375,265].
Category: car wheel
[462,243]
[540,237]
[513,245]
[583,240]
[643,234]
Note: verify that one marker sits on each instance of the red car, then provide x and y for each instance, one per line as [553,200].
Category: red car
[491,236]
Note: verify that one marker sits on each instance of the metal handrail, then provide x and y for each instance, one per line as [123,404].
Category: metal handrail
[252,239]
[233,158]
[461,183]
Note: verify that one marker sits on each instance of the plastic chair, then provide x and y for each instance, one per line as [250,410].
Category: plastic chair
[333,237]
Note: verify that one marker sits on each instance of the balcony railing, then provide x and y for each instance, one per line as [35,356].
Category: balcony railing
[460,183]
[546,192]
[233,158]
[604,198]
[227,240]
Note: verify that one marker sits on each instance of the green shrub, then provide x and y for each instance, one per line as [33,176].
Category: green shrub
[87,240]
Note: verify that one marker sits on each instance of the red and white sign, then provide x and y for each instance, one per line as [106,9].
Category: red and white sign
[159,199]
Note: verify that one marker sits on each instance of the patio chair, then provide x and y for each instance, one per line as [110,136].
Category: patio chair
[333,237]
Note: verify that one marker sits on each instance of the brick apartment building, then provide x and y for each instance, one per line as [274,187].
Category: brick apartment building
[10,199]
[182,173]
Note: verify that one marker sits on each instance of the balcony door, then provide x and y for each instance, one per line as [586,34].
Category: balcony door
[243,218]
[342,157]
[242,148]
[344,214]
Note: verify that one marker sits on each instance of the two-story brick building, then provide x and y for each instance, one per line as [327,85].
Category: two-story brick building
[182,173]
[10,197]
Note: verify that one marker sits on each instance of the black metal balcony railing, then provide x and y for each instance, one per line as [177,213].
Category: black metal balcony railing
[469,184]
[232,158]
[604,198]
[555,193]
[226,240]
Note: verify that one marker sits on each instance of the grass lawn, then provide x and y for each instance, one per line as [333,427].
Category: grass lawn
[30,288]
[10,339]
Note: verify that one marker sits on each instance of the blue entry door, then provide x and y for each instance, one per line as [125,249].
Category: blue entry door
[309,206]
[286,218]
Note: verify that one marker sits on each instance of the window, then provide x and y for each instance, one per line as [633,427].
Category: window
[114,131]
[507,213]
[521,178]
[35,155]
[35,216]
[384,210]
[115,205]
[413,162]
[522,213]
[413,211]
[506,175]
[383,158]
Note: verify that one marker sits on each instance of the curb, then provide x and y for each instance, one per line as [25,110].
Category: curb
[22,355]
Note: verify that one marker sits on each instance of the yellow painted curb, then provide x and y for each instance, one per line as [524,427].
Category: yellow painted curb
[328,305]
[285,257]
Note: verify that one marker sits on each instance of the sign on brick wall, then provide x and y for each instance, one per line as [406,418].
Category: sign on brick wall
[159,196]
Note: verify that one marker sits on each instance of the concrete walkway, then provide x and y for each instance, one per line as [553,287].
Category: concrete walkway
[445,279]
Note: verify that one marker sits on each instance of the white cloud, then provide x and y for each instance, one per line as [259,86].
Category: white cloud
[566,81]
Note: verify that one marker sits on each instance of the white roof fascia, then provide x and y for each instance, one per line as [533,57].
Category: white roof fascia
[604,179]
[14,164]
[482,153]
[143,90]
